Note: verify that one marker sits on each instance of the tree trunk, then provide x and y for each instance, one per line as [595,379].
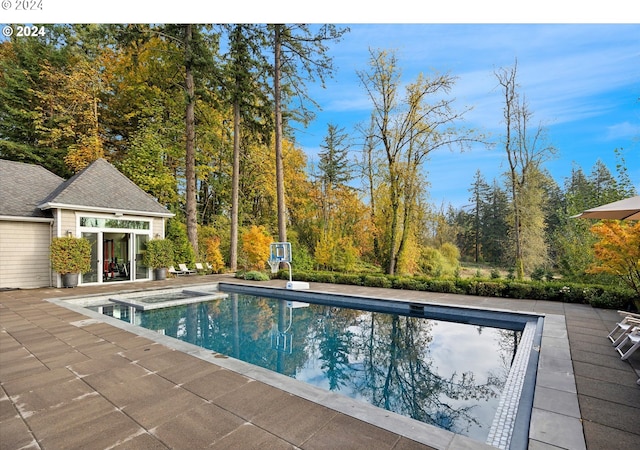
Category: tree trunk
[282,225]
[190,159]
[235,180]
[395,211]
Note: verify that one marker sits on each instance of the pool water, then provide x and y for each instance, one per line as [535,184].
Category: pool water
[442,373]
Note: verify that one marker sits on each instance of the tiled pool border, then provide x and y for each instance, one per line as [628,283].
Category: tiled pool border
[546,427]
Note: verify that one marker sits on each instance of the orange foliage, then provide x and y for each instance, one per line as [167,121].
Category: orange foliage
[618,251]
[255,246]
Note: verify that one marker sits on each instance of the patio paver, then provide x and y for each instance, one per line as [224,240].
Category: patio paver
[69,381]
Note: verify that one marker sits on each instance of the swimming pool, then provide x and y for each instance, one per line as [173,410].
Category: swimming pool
[404,357]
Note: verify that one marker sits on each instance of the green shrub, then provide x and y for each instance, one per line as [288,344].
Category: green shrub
[538,274]
[349,278]
[256,275]
[408,283]
[600,296]
[158,254]
[488,289]
[444,286]
[516,289]
[70,255]
[377,281]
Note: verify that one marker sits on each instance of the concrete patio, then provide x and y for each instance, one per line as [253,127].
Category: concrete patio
[71,380]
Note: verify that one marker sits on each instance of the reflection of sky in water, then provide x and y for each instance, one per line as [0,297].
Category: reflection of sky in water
[458,347]
[452,350]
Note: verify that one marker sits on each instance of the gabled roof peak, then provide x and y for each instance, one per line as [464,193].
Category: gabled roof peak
[101,187]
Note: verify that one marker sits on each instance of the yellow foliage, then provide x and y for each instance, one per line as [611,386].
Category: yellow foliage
[450,253]
[214,256]
[87,151]
[255,246]
[324,251]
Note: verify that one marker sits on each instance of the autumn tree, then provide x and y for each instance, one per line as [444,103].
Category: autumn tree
[572,241]
[526,150]
[618,251]
[255,246]
[408,126]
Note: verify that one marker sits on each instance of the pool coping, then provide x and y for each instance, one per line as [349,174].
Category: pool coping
[555,374]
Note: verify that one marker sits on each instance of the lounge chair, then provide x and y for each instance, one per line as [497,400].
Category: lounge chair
[624,327]
[200,267]
[175,272]
[186,270]
[632,338]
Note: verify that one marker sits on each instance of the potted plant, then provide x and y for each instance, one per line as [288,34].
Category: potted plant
[158,255]
[70,256]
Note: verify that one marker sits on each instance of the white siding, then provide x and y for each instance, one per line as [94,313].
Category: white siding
[24,254]
[67,223]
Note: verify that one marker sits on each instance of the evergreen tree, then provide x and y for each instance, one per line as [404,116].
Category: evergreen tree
[247,90]
[21,60]
[299,55]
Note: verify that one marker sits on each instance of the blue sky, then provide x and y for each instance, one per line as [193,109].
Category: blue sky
[581,82]
[578,68]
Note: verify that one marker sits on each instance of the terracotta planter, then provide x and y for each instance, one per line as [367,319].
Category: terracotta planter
[70,280]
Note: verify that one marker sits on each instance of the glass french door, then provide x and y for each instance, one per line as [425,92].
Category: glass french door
[96,269]
[141,271]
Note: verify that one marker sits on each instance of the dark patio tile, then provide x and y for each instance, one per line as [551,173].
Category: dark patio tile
[346,432]
[97,348]
[250,437]
[70,414]
[119,374]
[44,398]
[128,341]
[136,390]
[612,392]
[600,437]
[408,444]
[7,408]
[100,432]
[198,427]
[614,415]
[152,352]
[297,420]
[252,399]
[143,441]
[609,374]
[154,411]
[156,357]
[599,359]
[216,384]
[50,378]
[15,434]
[188,371]
[12,368]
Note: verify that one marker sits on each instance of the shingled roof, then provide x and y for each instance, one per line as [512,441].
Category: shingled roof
[23,187]
[101,187]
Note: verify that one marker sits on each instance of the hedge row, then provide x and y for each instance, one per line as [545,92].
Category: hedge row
[599,296]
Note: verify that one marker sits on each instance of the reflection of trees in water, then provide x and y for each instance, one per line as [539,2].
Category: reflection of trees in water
[381,357]
[335,344]
[399,374]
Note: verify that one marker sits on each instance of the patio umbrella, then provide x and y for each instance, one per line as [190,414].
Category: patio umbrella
[627,209]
